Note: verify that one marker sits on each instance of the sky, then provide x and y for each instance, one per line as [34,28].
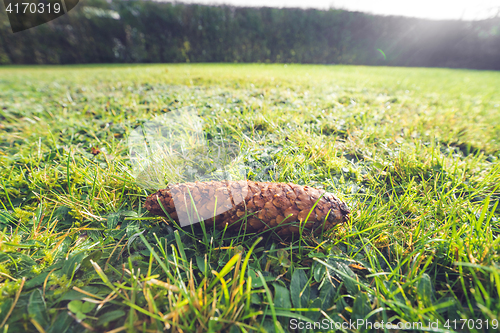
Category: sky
[430,9]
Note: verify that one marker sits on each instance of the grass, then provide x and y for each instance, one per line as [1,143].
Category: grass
[415,153]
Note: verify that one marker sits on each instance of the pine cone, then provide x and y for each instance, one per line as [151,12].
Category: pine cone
[261,206]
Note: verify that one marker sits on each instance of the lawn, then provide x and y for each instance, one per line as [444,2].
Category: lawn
[413,151]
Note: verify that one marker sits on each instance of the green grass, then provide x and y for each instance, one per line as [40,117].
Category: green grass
[415,153]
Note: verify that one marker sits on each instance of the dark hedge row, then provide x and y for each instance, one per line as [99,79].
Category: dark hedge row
[143,31]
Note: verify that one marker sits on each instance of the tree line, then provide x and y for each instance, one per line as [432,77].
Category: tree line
[97,31]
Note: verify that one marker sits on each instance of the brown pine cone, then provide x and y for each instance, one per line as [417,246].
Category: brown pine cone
[262,205]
